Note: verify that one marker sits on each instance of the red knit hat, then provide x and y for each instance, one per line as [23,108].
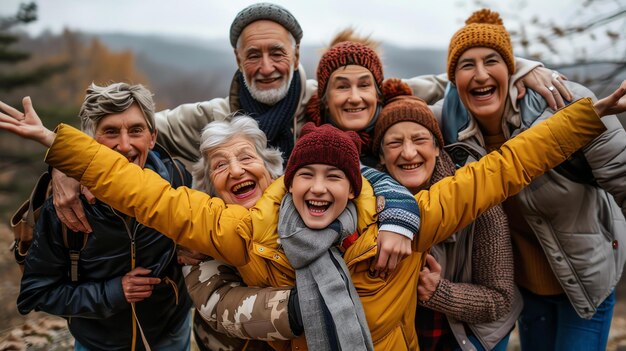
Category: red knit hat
[348,53]
[402,106]
[326,145]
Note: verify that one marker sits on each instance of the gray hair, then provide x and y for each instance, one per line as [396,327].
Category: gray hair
[101,101]
[217,133]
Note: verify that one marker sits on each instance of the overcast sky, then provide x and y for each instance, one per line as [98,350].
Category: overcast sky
[409,23]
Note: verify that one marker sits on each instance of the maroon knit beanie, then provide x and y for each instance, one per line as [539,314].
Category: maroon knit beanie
[348,53]
[326,145]
[402,106]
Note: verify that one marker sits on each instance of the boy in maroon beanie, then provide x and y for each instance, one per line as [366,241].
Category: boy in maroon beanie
[316,216]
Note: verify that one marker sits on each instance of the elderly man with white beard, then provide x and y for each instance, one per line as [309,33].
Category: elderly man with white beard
[269,84]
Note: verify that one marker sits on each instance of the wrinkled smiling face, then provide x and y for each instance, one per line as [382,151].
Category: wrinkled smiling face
[127,133]
[482,80]
[409,154]
[351,97]
[320,194]
[268,58]
[237,172]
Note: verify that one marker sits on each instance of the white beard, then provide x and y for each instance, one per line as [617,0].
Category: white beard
[270,96]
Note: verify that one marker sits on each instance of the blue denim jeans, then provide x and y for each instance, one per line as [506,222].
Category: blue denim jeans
[551,323]
[500,346]
[175,340]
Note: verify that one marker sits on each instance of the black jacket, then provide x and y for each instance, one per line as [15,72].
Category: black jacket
[97,312]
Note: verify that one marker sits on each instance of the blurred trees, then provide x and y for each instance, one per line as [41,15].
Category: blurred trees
[89,61]
[10,78]
[54,70]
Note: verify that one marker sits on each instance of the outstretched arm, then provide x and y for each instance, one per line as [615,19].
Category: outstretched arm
[184,214]
[27,125]
[456,201]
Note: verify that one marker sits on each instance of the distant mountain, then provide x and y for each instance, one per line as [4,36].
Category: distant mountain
[180,53]
[171,58]
[184,69]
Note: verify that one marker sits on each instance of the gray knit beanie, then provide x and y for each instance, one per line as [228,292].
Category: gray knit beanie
[264,11]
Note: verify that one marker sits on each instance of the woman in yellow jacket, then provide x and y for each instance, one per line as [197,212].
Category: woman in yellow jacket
[248,238]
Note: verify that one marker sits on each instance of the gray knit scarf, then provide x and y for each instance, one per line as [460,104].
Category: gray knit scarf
[332,313]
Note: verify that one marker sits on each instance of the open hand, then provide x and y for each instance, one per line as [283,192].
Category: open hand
[27,124]
[612,104]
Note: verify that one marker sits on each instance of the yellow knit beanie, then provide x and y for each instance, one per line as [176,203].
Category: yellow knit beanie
[483,28]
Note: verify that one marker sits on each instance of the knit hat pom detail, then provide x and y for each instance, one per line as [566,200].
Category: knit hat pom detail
[485,16]
[306,129]
[394,87]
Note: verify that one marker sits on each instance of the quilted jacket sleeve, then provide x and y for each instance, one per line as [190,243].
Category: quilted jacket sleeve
[456,201]
[191,218]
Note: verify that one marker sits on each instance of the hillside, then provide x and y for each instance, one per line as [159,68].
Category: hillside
[169,61]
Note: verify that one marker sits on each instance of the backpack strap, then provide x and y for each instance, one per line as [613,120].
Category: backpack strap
[178,173]
[75,246]
[24,219]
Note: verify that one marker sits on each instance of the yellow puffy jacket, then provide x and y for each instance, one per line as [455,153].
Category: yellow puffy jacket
[196,220]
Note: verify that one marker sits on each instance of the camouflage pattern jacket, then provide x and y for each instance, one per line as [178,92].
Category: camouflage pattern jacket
[228,312]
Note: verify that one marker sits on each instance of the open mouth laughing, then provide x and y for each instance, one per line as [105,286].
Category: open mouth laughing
[410,166]
[354,110]
[267,80]
[243,188]
[483,92]
[317,208]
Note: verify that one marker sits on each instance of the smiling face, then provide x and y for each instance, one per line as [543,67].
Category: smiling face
[320,194]
[127,133]
[409,154]
[267,56]
[237,172]
[482,79]
[351,97]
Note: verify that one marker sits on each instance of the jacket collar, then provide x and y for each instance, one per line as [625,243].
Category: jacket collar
[459,125]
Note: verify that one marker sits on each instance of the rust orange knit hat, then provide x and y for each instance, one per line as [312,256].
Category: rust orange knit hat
[348,53]
[330,146]
[483,28]
[402,106]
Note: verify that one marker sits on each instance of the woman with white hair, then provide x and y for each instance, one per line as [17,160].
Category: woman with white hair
[236,166]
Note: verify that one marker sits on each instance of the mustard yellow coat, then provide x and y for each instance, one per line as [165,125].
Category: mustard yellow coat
[196,220]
